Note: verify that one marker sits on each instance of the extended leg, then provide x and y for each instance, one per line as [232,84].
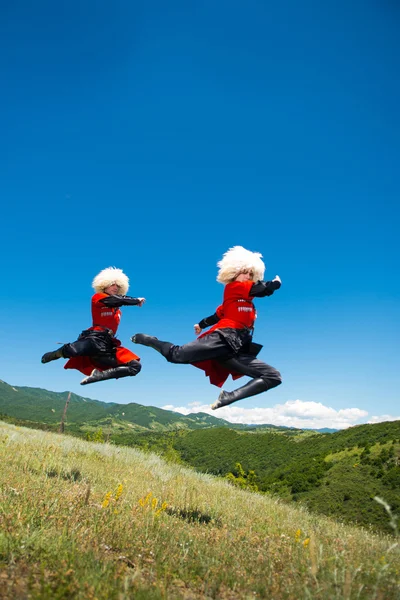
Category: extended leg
[211,346]
[264,377]
[82,347]
[152,342]
[54,355]
[129,369]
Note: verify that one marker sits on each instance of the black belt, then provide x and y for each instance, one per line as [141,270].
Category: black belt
[105,329]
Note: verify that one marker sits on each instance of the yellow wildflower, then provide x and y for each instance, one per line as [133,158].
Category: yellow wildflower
[106,500]
[160,510]
[144,501]
[119,491]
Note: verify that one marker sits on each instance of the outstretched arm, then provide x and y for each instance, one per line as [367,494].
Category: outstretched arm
[208,321]
[115,301]
[265,288]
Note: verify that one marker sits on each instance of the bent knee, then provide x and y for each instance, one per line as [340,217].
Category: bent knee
[134,367]
[277,379]
[273,378]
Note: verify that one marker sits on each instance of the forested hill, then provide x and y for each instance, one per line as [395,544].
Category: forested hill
[214,449]
[337,474]
[42,408]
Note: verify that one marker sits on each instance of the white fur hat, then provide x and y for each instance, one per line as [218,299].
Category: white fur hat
[107,277]
[237,260]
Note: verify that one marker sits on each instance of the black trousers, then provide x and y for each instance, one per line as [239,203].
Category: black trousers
[99,346]
[254,368]
[215,347]
[90,343]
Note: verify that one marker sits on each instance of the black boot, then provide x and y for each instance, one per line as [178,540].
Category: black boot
[115,373]
[252,388]
[152,342]
[55,355]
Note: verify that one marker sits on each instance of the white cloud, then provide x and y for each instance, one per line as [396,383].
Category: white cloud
[294,413]
[382,418]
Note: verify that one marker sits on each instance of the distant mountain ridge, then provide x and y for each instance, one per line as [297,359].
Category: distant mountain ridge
[43,406]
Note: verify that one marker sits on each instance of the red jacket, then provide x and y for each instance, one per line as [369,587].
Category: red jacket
[104,316]
[237,311]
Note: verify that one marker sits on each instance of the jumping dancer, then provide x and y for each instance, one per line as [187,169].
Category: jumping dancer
[97,353]
[227,347]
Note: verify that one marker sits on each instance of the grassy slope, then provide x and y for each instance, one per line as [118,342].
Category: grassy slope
[77,521]
[290,463]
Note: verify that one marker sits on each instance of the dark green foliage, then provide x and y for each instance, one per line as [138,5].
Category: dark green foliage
[392,478]
[350,496]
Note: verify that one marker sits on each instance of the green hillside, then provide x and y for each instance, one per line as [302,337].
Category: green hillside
[45,407]
[40,408]
[335,474]
[84,521]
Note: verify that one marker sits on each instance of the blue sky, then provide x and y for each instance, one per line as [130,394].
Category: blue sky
[155,136]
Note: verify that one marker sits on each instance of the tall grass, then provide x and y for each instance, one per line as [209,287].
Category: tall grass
[94,521]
